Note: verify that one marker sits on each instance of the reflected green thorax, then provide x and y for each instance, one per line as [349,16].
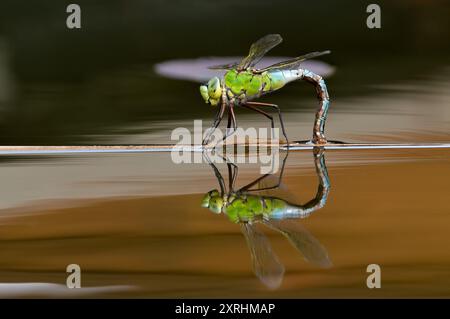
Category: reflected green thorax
[243,207]
[250,207]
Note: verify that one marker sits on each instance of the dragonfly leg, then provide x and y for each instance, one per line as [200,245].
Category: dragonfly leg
[215,124]
[229,119]
[232,124]
[232,174]
[254,106]
[250,107]
[322,112]
[217,173]
[247,188]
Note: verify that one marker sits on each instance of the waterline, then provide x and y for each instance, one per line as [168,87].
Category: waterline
[158,148]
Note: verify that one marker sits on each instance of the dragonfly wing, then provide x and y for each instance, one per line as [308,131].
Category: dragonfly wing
[303,241]
[293,63]
[228,66]
[266,265]
[259,49]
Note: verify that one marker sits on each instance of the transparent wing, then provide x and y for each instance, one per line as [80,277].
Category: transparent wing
[302,240]
[228,66]
[266,265]
[259,49]
[293,63]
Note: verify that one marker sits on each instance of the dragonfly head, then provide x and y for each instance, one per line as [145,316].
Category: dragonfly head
[211,91]
[213,201]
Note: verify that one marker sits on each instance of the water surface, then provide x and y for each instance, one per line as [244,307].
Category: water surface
[133,222]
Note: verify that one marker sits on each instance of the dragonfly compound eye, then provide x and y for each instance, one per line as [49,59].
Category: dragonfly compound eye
[214,88]
[215,204]
[204,93]
[205,200]
[210,197]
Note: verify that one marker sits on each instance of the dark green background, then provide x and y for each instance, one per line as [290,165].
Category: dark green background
[74,86]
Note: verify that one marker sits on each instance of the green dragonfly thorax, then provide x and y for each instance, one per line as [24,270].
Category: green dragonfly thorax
[245,207]
[246,83]
[250,84]
[242,86]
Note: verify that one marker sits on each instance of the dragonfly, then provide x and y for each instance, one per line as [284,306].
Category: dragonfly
[252,205]
[243,83]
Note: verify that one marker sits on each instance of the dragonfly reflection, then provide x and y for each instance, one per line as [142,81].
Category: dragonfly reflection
[260,203]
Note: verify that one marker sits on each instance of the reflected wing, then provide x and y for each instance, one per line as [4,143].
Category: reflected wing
[303,241]
[259,49]
[228,66]
[266,265]
[293,63]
